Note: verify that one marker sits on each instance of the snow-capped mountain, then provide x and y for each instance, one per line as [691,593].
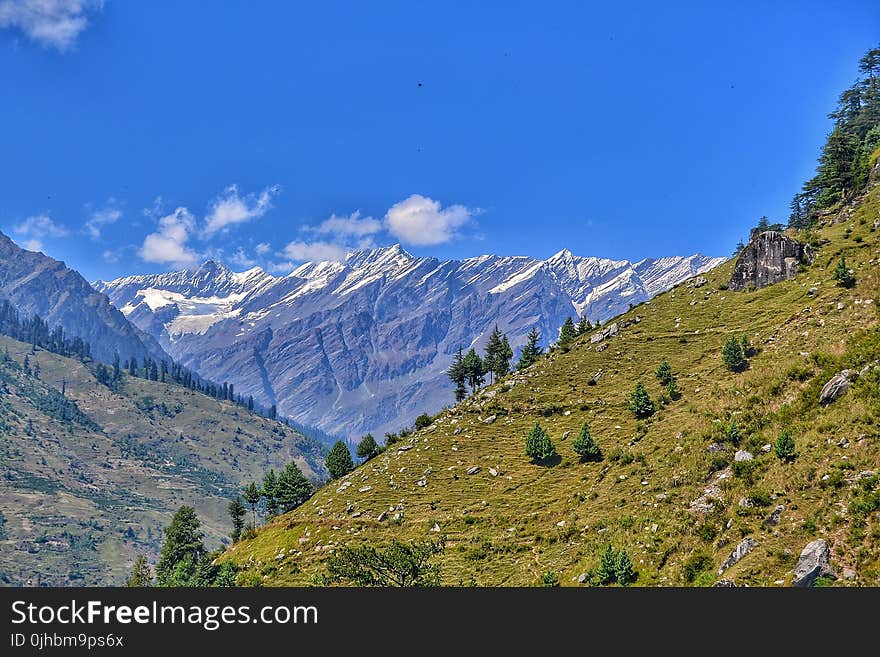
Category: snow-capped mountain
[362,345]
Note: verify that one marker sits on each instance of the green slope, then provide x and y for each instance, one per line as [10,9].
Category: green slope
[91,479]
[510,528]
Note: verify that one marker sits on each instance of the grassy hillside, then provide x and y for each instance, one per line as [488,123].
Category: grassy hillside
[91,478]
[513,520]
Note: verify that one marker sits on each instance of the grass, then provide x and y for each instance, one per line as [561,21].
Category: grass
[528,520]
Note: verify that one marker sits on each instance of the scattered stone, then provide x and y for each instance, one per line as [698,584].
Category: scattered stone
[364,489]
[654,528]
[381,517]
[608,332]
[473,470]
[457,431]
[357,514]
[582,578]
[660,496]
[812,291]
[490,419]
[766,448]
[699,281]
[840,306]
[742,455]
[404,448]
[565,435]
[813,563]
[866,474]
[843,442]
[745,503]
[493,472]
[455,448]
[849,574]
[724,584]
[741,550]
[561,523]
[835,387]
[715,447]
[601,347]
[773,519]
[435,527]
[422,483]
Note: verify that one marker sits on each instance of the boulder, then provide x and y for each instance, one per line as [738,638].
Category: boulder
[608,332]
[490,419]
[835,387]
[743,455]
[769,258]
[741,550]
[473,470]
[813,563]
[724,583]
[773,519]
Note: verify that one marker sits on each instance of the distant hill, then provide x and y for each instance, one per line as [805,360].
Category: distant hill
[90,478]
[39,285]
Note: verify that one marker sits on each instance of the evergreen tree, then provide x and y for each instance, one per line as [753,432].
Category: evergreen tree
[236,512]
[567,334]
[732,433]
[117,374]
[640,402]
[493,353]
[293,488]
[784,446]
[623,568]
[26,366]
[182,550]
[270,492]
[732,355]
[584,326]
[673,390]
[585,445]
[141,575]
[252,495]
[606,573]
[338,460]
[474,369]
[843,275]
[538,444]
[367,448]
[250,403]
[458,375]
[531,351]
[664,373]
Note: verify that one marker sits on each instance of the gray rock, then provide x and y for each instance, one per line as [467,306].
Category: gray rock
[769,258]
[813,563]
[835,387]
[773,519]
[849,574]
[457,431]
[490,419]
[493,472]
[404,448]
[699,281]
[743,455]
[565,435]
[715,447]
[601,347]
[473,470]
[435,527]
[608,332]
[745,503]
[381,517]
[741,550]
[582,578]
[766,448]
[724,584]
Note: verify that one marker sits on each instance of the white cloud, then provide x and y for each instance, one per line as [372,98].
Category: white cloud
[421,221]
[168,244]
[241,258]
[350,226]
[230,208]
[51,23]
[263,248]
[38,227]
[100,218]
[110,256]
[300,251]
[33,245]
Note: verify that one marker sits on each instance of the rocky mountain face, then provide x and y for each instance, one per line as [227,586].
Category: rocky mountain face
[37,284]
[770,257]
[363,345]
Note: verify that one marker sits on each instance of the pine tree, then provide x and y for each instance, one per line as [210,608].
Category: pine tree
[270,492]
[664,373]
[843,275]
[623,568]
[293,488]
[493,353]
[673,390]
[141,575]
[458,376]
[640,402]
[236,512]
[338,460]
[474,369]
[784,446]
[585,445]
[531,351]
[584,326]
[182,550]
[538,444]
[252,495]
[606,573]
[732,355]
[367,448]
[567,334]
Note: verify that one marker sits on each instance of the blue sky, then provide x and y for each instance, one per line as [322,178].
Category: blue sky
[143,136]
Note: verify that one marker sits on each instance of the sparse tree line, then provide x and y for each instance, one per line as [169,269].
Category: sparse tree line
[277,494]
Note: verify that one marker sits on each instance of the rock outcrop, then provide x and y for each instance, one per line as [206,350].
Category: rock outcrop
[742,549]
[835,387]
[769,258]
[813,563]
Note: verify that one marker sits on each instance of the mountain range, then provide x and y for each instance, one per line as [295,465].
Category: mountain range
[363,345]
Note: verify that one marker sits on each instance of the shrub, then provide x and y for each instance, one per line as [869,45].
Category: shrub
[640,402]
[664,373]
[422,421]
[538,444]
[733,356]
[585,445]
[843,275]
[615,566]
[784,446]
[695,565]
[549,579]
[732,433]
[673,390]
